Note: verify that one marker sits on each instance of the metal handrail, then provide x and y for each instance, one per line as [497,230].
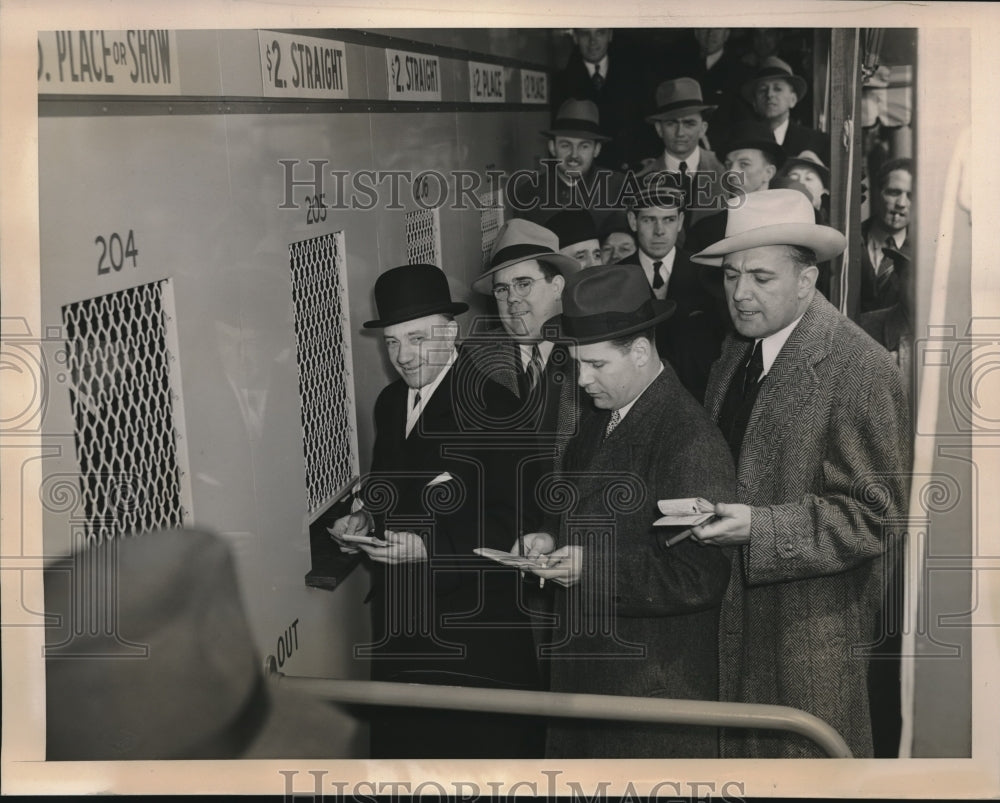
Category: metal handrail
[579,706]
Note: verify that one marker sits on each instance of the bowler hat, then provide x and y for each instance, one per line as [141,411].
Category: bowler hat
[572,226]
[518,241]
[606,302]
[149,656]
[579,119]
[754,135]
[677,98]
[773,217]
[810,160]
[410,292]
[770,68]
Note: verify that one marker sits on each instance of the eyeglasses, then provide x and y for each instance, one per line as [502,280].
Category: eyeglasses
[522,287]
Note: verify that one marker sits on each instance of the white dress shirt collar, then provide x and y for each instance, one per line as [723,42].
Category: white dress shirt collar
[780,132]
[666,269]
[673,164]
[544,348]
[414,411]
[603,64]
[772,344]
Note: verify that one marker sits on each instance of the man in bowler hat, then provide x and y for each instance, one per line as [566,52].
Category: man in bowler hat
[817,421]
[439,488]
[636,616]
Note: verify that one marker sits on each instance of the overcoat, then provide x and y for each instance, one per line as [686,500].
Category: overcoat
[643,620]
[825,464]
[453,619]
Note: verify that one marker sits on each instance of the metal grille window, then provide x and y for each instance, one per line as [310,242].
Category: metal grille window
[121,356]
[490,220]
[423,237]
[323,348]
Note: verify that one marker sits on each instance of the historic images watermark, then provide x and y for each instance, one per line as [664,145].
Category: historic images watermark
[522,191]
[317,786]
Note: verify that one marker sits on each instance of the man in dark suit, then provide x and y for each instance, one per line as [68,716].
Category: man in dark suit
[692,337]
[773,92]
[638,617]
[526,276]
[614,79]
[439,488]
[571,179]
[888,227]
[817,420]
[679,121]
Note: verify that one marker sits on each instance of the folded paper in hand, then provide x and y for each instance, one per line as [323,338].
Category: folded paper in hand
[684,512]
[441,478]
[507,559]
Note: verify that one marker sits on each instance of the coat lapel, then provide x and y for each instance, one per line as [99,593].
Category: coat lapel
[790,384]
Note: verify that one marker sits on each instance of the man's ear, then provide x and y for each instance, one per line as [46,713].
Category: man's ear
[641,351]
[552,148]
[807,280]
[658,125]
[559,282]
[633,221]
[771,171]
[597,149]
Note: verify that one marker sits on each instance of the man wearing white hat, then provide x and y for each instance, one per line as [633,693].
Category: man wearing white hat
[816,417]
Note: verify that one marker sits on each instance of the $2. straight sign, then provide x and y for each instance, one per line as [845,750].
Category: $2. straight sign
[302,66]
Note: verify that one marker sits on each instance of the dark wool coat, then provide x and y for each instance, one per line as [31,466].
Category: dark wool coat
[643,620]
[825,465]
[453,619]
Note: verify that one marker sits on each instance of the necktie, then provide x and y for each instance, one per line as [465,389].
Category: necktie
[535,368]
[885,264]
[416,400]
[657,276]
[754,369]
[597,78]
[613,422]
[685,186]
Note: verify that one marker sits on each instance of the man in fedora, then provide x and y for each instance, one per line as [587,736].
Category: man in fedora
[178,677]
[637,616]
[577,236]
[773,92]
[679,120]
[607,72]
[526,275]
[440,488]
[691,338]
[817,421]
[570,178]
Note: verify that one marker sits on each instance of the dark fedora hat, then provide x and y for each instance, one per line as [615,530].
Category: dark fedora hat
[579,119]
[678,98]
[178,675]
[518,241]
[410,292]
[606,302]
[572,226]
[773,67]
[754,135]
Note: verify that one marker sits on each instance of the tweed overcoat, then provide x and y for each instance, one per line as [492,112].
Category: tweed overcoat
[661,603]
[825,465]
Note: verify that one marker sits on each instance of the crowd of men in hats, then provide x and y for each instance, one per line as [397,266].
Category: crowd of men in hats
[652,343]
